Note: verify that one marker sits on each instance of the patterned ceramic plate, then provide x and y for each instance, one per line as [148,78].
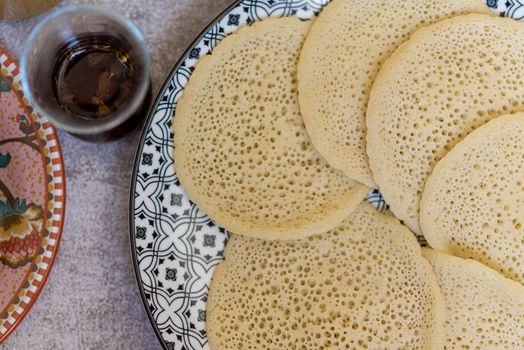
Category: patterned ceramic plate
[174,245]
[32,199]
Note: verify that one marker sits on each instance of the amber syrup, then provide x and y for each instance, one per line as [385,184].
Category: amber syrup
[93,77]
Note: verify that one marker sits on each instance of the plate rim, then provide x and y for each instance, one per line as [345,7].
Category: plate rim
[18,320]
[145,128]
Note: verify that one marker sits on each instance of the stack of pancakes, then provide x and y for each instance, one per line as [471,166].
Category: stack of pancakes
[285,127]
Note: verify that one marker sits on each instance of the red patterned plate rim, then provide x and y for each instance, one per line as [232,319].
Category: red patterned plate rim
[52,224]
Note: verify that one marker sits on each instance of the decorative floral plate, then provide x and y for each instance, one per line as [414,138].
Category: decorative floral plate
[175,246]
[32,199]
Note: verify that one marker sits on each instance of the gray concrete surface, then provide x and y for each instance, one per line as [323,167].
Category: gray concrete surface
[91,300]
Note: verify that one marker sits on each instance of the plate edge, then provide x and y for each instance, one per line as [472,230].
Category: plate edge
[139,147]
[43,282]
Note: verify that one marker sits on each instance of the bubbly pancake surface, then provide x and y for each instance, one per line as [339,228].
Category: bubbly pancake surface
[484,310]
[241,149]
[473,202]
[447,80]
[363,285]
[341,57]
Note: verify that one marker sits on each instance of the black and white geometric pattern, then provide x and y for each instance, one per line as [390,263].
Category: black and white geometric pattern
[508,8]
[175,246]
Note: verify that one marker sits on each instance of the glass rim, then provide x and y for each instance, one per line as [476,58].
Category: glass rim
[89,126]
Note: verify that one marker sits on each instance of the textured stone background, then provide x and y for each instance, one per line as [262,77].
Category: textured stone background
[91,300]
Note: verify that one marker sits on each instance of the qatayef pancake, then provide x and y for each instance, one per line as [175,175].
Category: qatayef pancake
[484,310]
[363,285]
[473,202]
[447,80]
[241,149]
[341,57]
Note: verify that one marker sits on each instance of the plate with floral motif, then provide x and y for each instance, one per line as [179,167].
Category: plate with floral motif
[175,246]
[32,199]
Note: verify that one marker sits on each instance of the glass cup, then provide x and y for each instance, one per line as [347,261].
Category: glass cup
[41,53]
